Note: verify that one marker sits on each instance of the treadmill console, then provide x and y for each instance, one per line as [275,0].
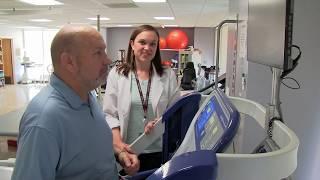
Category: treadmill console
[213,127]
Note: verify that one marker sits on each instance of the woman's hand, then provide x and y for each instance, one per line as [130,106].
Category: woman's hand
[149,126]
[124,154]
[129,160]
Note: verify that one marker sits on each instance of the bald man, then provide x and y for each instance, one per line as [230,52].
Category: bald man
[63,134]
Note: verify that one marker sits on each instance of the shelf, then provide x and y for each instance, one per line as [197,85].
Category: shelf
[176,50]
[2,53]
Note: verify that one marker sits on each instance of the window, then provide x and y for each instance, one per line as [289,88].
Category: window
[37,45]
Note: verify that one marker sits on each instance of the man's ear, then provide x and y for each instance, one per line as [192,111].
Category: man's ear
[68,62]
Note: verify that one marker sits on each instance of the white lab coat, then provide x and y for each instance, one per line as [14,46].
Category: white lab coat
[117,99]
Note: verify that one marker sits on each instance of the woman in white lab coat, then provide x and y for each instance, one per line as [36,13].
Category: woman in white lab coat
[138,91]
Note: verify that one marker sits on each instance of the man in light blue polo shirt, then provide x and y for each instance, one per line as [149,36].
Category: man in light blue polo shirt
[63,134]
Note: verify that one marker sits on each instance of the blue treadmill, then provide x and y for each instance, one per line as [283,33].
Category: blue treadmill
[194,157]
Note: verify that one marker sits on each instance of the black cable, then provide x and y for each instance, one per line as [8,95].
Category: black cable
[290,87]
[294,62]
[207,87]
[221,81]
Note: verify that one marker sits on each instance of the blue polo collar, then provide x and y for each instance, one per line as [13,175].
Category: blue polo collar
[69,94]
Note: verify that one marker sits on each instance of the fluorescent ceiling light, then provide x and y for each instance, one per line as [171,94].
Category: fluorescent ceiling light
[101,19]
[40,20]
[149,1]
[42,2]
[164,18]
[77,23]
[28,27]
[170,25]
[124,25]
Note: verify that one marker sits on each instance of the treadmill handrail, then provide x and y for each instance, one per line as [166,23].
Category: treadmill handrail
[277,164]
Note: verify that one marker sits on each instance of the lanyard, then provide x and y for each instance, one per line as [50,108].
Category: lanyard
[144,102]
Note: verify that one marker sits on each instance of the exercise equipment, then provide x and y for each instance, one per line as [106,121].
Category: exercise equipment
[205,134]
[177,39]
[202,155]
[162,43]
[212,129]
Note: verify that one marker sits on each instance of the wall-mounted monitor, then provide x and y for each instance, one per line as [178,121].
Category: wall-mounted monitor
[270,33]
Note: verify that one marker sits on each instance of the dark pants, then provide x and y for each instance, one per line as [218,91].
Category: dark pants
[150,161]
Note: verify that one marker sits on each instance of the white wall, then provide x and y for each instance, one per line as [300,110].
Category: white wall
[223,49]
[204,41]
[300,107]
[103,32]
[17,53]
[117,38]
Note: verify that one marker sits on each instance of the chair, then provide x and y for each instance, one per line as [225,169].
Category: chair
[189,74]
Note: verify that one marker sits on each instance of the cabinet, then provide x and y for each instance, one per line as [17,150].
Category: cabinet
[6,67]
[2,79]
[184,57]
[179,58]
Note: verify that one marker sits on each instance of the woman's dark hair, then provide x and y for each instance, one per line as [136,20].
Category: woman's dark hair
[129,63]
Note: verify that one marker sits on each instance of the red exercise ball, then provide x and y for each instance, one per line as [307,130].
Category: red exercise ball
[177,39]
[162,43]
